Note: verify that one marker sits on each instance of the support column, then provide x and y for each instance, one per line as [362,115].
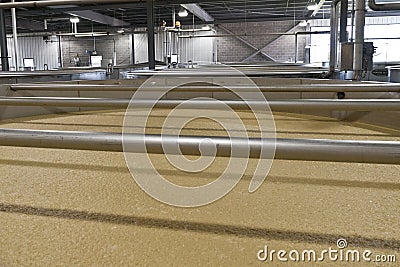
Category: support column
[150,34]
[343,21]
[132,39]
[60,58]
[15,37]
[334,34]
[359,39]
[3,42]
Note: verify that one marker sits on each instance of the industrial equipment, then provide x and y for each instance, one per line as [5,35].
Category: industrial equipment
[347,53]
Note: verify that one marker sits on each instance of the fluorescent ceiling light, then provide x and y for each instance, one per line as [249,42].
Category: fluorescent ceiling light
[183,13]
[74,19]
[312,5]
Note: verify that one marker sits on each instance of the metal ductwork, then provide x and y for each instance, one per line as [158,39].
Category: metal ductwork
[383,7]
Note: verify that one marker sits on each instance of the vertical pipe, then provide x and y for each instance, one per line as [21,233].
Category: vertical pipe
[343,20]
[308,44]
[215,51]
[115,53]
[3,43]
[132,48]
[166,48]
[60,63]
[15,37]
[333,40]
[150,34]
[352,21]
[172,46]
[295,47]
[173,17]
[359,39]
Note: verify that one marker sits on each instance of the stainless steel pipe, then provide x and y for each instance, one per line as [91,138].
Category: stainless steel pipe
[359,16]
[382,152]
[334,21]
[217,73]
[275,105]
[45,3]
[210,88]
[383,7]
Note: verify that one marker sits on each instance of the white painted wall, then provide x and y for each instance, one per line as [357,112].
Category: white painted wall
[199,50]
[384,28]
[36,48]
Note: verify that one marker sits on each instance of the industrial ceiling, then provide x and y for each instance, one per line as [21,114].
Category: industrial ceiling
[131,15]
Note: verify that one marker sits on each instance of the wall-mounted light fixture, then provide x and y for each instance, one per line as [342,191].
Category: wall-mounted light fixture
[183,13]
[74,19]
[312,5]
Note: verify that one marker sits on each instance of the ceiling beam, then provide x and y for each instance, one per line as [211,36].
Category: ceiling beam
[99,18]
[46,3]
[198,11]
[93,16]
[26,24]
[320,4]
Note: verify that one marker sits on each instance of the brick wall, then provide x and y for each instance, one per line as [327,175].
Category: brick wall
[71,46]
[278,48]
[229,49]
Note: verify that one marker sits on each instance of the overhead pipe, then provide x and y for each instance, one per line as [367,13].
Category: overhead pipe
[46,3]
[383,7]
[389,87]
[359,17]
[275,105]
[380,152]
[250,34]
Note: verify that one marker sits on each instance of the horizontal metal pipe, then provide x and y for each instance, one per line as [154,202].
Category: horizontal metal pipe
[253,34]
[275,105]
[383,7]
[210,88]
[216,73]
[45,3]
[12,74]
[382,152]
